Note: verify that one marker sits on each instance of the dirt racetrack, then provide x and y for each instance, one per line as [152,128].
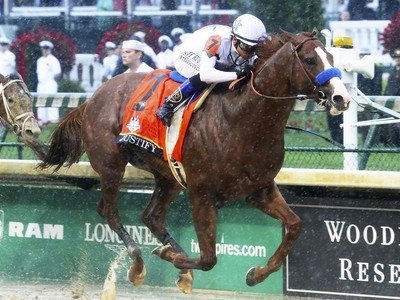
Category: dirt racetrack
[76,290]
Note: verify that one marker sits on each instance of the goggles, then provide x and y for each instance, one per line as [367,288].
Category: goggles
[247,48]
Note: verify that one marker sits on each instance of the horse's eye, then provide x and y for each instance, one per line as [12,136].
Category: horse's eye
[10,100]
[311,61]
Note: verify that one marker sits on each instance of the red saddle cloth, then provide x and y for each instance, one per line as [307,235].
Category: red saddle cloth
[141,127]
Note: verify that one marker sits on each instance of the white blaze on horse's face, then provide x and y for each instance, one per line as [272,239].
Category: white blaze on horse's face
[340,93]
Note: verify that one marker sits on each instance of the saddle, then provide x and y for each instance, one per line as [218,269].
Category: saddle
[143,129]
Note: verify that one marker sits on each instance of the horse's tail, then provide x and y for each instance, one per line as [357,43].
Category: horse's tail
[66,146]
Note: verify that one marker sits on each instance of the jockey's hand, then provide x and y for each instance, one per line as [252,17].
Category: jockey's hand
[243,71]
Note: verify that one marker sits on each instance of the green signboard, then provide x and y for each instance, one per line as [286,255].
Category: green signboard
[55,233]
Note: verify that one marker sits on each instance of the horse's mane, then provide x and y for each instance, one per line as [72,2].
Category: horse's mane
[269,46]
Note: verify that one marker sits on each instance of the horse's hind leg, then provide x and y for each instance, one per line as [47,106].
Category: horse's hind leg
[271,202]
[111,169]
[165,193]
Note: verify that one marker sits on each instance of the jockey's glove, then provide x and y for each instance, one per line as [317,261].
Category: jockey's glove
[243,71]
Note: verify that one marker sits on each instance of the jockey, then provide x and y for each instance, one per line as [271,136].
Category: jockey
[213,54]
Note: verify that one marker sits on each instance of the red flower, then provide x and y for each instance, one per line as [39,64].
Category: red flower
[124,31]
[390,37]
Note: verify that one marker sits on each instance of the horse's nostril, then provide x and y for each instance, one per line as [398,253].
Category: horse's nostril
[339,103]
[321,95]
[31,134]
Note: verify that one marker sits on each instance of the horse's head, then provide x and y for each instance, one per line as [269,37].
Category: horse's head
[317,64]
[16,108]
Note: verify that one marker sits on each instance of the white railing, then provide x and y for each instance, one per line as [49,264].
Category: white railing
[88,71]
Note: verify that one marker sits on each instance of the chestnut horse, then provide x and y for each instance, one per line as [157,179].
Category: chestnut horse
[233,149]
[16,112]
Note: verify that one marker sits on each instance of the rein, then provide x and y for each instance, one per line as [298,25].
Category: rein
[308,74]
[11,119]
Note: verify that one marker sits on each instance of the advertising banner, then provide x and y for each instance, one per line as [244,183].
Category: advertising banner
[49,233]
[349,247]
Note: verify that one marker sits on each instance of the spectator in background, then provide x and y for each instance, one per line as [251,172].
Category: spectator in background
[104,5]
[121,68]
[388,9]
[120,5]
[343,5]
[50,2]
[363,9]
[110,61]
[168,5]
[345,16]
[391,132]
[48,70]
[132,53]
[104,22]
[165,58]
[141,36]
[7,58]
[175,35]
[223,4]
[393,84]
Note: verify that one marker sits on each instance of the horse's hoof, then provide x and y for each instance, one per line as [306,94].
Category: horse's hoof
[160,251]
[250,279]
[136,279]
[184,282]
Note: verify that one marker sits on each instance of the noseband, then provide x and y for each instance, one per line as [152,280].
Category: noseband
[322,78]
[11,119]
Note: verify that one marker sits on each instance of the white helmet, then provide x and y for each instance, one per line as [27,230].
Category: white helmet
[249,29]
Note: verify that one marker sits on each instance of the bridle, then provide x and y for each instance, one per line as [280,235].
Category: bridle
[11,119]
[320,79]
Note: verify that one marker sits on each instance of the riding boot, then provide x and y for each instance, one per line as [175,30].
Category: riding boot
[183,92]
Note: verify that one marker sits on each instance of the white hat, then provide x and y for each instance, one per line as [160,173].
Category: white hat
[165,38]
[110,45]
[140,34]
[4,40]
[132,44]
[47,44]
[177,30]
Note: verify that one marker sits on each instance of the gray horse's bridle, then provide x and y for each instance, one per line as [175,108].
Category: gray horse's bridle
[11,119]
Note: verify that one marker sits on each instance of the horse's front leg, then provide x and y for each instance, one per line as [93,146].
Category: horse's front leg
[110,182]
[271,202]
[165,192]
[204,214]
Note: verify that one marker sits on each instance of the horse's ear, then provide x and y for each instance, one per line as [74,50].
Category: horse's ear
[2,78]
[287,35]
[315,32]
[14,76]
